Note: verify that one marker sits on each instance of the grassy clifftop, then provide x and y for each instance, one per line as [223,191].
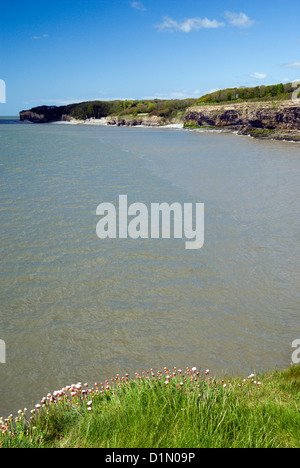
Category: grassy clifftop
[169,408]
[279,92]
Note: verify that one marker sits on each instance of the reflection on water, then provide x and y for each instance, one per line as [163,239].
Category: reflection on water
[75,308]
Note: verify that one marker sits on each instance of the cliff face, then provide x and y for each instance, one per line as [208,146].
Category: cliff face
[29,116]
[153,121]
[44,114]
[248,117]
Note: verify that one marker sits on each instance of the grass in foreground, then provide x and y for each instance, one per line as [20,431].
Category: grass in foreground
[172,409]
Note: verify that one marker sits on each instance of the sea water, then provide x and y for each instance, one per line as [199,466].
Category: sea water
[78,308]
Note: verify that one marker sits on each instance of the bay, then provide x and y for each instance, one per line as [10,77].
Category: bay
[77,308]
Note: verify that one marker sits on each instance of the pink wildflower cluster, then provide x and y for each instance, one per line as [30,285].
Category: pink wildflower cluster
[80,397]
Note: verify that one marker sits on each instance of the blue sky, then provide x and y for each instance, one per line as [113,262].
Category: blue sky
[61,51]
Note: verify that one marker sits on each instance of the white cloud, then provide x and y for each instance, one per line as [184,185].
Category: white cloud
[292,65]
[188,25]
[44,36]
[54,102]
[138,6]
[176,94]
[213,90]
[259,76]
[240,20]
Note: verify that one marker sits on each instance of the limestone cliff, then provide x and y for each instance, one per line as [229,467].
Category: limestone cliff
[147,121]
[261,119]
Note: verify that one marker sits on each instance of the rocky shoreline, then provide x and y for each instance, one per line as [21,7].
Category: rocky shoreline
[278,120]
[267,120]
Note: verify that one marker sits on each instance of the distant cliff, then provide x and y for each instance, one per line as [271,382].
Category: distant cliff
[44,114]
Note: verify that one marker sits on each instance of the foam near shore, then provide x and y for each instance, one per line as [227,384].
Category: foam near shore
[101,121]
[107,122]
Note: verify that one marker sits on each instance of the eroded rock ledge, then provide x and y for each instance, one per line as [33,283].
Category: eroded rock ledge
[147,121]
[276,120]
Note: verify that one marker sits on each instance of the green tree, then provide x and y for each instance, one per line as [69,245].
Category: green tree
[251,93]
[280,88]
[90,111]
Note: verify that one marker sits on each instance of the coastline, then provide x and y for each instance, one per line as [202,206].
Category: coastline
[291,136]
[103,123]
[266,120]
